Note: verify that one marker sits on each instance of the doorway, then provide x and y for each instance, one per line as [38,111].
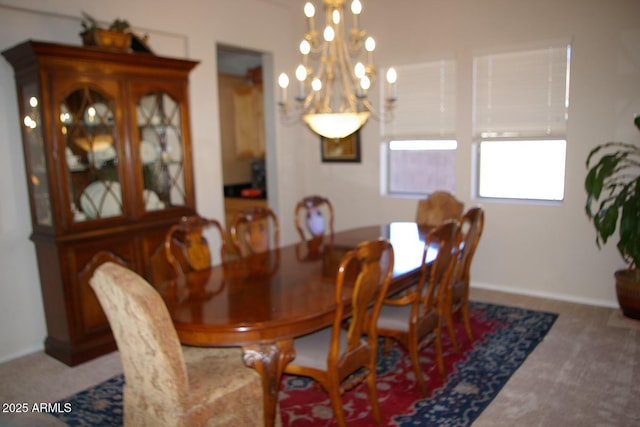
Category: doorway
[242,129]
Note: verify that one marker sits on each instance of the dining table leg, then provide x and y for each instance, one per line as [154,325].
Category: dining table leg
[269,359]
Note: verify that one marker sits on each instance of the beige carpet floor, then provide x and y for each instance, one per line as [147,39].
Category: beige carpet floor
[586,372]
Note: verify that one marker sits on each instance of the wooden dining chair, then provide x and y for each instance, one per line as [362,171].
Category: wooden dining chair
[186,247]
[333,355]
[167,385]
[314,217]
[437,208]
[255,230]
[457,299]
[415,319]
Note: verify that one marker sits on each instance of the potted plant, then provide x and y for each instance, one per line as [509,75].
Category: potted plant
[117,36]
[613,203]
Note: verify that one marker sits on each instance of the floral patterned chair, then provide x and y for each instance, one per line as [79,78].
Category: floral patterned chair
[439,207]
[166,384]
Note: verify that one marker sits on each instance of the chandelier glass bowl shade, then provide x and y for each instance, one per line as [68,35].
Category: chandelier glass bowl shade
[336,73]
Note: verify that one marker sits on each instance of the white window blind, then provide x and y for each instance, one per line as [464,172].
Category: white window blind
[521,100]
[426,94]
[522,94]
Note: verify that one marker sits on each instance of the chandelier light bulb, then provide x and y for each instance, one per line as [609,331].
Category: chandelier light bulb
[329,33]
[359,70]
[301,73]
[370,44]
[365,83]
[316,84]
[283,81]
[305,47]
[309,10]
[392,75]
[336,17]
[356,7]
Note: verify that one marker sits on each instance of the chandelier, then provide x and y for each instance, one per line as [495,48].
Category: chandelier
[336,74]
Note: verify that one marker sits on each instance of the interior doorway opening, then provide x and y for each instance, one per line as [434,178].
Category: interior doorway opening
[242,129]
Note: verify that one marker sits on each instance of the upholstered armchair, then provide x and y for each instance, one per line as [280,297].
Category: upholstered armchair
[439,207]
[166,384]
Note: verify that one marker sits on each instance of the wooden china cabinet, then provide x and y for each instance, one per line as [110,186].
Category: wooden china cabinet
[108,161]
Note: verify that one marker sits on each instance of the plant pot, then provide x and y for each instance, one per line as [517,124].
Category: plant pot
[628,292]
[108,39]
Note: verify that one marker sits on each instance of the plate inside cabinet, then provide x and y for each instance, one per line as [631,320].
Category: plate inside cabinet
[101,199]
[148,152]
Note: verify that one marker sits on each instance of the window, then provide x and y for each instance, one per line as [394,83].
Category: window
[418,156]
[520,114]
[531,169]
[421,166]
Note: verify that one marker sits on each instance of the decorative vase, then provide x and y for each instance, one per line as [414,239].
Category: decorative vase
[108,39]
[628,292]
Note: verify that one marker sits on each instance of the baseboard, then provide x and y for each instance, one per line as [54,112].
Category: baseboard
[21,353]
[547,295]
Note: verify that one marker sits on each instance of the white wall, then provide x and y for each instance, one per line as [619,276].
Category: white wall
[190,29]
[539,249]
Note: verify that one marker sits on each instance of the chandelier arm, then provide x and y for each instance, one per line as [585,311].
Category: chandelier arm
[349,83]
[368,107]
[312,37]
[356,41]
[347,80]
[314,99]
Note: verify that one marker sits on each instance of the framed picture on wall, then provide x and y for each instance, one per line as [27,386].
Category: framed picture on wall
[345,149]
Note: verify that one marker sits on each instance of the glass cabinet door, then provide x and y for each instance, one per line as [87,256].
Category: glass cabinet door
[35,155]
[161,151]
[90,136]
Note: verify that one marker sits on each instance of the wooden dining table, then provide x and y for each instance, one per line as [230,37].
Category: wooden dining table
[262,302]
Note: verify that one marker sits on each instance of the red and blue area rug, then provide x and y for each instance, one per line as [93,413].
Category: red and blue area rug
[504,337]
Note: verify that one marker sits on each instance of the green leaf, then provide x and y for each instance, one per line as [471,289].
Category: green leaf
[589,180]
[612,185]
[606,221]
[629,243]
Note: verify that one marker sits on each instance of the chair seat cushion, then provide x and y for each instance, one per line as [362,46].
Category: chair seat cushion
[397,318]
[394,317]
[312,350]
[224,390]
